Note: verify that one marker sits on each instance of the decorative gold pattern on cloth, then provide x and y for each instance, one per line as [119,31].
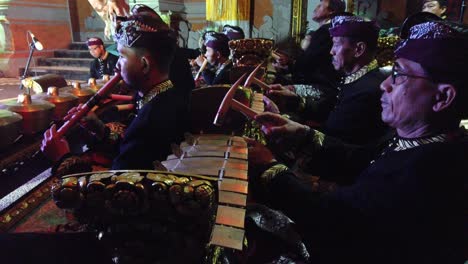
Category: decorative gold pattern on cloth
[73,163]
[222,66]
[400,144]
[404,144]
[307,90]
[155,91]
[272,172]
[318,138]
[132,30]
[361,72]
[116,131]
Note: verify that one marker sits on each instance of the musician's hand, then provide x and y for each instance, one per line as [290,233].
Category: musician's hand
[259,155]
[118,7]
[199,60]
[90,122]
[274,125]
[282,59]
[72,111]
[283,96]
[270,106]
[52,146]
[279,89]
[280,68]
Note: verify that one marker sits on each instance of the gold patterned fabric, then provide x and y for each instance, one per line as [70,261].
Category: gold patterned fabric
[227,10]
[318,139]
[361,72]
[116,131]
[400,144]
[71,164]
[157,89]
[272,172]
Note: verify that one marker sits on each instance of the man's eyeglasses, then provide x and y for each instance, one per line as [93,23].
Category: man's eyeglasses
[400,77]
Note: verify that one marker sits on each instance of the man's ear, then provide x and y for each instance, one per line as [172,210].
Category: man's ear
[218,54]
[444,97]
[359,49]
[145,62]
[445,10]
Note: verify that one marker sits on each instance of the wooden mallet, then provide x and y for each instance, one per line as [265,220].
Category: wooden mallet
[229,102]
[252,79]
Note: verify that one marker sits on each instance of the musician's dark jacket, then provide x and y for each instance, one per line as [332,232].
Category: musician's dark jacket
[315,66]
[181,76]
[149,136]
[356,116]
[109,65]
[404,206]
[212,77]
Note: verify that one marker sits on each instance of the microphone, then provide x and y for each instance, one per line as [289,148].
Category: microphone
[36,42]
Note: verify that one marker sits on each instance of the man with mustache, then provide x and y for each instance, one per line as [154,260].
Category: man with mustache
[355,117]
[407,202]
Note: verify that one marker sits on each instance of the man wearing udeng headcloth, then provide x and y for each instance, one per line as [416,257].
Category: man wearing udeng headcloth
[146,48]
[408,202]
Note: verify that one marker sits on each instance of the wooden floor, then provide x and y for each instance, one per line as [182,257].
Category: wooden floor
[9,88]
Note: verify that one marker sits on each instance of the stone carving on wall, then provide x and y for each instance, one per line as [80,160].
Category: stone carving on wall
[366,8]
[193,39]
[266,30]
[276,27]
[184,30]
[6,44]
[281,19]
[94,22]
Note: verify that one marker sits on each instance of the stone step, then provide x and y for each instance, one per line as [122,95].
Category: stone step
[83,46]
[67,72]
[80,62]
[72,54]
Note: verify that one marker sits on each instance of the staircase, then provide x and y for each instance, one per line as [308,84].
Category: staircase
[71,64]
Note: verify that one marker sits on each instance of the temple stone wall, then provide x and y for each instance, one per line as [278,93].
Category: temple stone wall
[49,21]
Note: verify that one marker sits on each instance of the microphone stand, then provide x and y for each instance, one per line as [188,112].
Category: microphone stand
[32,47]
[462,10]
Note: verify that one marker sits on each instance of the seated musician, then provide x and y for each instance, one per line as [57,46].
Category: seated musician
[314,65]
[313,73]
[407,202]
[217,54]
[104,62]
[305,42]
[199,61]
[180,73]
[233,32]
[355,116]
[147,48]
[437,7]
